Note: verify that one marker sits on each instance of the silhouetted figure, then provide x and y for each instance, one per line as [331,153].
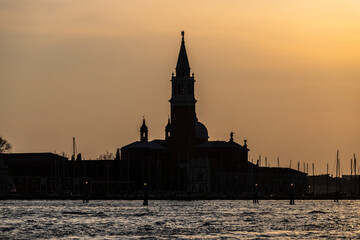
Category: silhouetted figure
[256,198]
[292,195]
[336,199]
[145,203]
[117,158]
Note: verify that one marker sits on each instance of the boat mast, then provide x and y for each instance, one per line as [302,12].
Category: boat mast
[351,176]
[356,179]
[337,177]
[307,169]
[313,168]
[266,162]
[327,178]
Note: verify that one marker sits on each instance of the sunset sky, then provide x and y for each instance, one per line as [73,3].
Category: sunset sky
[285,75]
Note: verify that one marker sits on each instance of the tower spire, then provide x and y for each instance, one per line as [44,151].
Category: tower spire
[182,134]
[183,66]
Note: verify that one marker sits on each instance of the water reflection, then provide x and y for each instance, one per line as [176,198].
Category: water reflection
[179,219]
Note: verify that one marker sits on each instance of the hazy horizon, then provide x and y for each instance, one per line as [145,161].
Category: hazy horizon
[282,74]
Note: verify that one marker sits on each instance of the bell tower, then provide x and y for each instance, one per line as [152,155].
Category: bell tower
[144,132]
[183,116]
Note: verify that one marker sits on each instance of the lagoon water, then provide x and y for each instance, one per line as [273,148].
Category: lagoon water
[230,219]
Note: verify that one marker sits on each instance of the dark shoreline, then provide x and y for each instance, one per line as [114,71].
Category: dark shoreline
[178,198]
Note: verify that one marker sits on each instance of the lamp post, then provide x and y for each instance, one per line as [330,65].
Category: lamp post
[86,197]
[145,203]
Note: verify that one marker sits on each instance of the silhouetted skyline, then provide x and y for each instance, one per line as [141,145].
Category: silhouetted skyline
[283,75]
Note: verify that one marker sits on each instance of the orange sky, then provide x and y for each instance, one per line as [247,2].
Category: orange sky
[282,74]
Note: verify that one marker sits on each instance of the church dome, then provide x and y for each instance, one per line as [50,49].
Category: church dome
[201,132]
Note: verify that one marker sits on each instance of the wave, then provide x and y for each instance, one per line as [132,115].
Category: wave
[317,212]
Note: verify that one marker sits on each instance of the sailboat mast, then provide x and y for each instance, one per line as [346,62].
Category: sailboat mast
[351,176]
[313,168]
[356,179]
[74,148]
[327,178]
[354,165]
[266,162]
[307,169]
[337,170]
[260,160]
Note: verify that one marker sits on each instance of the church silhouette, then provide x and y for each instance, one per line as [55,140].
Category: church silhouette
[184,163]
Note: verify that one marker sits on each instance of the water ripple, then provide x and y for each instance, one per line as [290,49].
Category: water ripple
[179,220]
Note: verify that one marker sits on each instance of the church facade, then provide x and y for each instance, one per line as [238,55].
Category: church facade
[186,161]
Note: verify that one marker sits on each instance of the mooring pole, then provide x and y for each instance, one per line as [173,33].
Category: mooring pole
[292,197]
[256,199]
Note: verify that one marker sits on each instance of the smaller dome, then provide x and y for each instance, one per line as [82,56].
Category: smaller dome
[201,131]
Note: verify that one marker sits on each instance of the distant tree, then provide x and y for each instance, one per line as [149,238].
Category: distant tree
[5,146]
[106,156]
